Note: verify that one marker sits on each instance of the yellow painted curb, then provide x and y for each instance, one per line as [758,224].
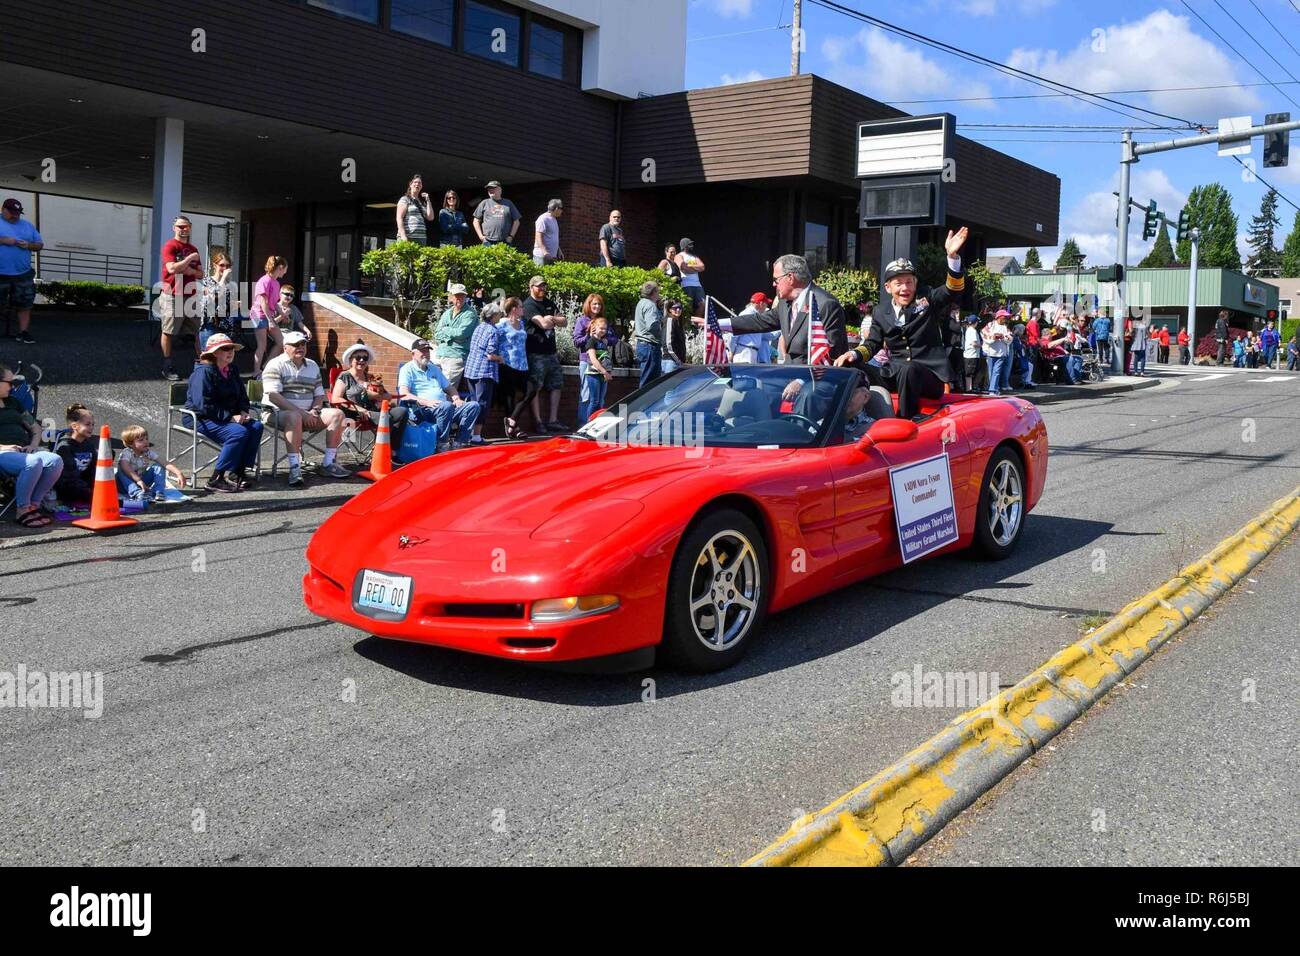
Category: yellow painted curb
[887,818]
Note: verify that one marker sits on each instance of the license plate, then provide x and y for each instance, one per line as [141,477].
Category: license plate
[385,593]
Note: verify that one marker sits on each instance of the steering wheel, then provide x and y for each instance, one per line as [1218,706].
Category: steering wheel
[812,425]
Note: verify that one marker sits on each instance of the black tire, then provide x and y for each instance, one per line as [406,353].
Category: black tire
[727,532]
[995,538]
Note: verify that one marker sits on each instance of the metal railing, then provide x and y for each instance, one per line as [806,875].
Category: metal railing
[66,265]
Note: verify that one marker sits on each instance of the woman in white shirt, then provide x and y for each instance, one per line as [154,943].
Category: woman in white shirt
[997,339]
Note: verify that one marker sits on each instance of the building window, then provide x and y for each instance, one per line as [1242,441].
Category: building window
[851,249]
[426,19]
[1283,309]
[367,10]
[816,242]
[546,51]
[492,33]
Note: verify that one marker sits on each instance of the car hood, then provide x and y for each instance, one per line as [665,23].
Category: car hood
[517,488]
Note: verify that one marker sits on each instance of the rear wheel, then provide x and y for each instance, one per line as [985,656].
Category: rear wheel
[717,593]
[1001,514]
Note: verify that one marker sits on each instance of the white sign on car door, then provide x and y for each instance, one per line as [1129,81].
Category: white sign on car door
[923,506]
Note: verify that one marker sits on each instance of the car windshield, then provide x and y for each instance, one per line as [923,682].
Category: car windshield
[731,406]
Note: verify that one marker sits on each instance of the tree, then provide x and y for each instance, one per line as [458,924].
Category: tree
[1162,253]
[1210,209]
[1032,260]
[1291,251]
[1265,260]
[1069,257]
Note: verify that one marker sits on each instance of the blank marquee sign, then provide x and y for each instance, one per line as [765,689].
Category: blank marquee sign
[901,166]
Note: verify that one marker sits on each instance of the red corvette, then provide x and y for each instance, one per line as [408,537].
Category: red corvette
[677,521]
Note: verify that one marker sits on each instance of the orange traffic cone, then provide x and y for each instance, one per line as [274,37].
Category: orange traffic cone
[381,460]
[103,505]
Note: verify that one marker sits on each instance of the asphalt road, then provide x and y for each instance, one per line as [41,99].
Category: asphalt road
[1191,761]
[226,736]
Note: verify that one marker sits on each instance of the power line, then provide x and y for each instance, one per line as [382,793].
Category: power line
[1260,45]
[1047,126]
[1265,18]
[1235,50]
[1047,96]
[1267,183]
[1001,68]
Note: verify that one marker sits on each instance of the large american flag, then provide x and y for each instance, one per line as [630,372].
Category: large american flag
[819,347]
[715,346]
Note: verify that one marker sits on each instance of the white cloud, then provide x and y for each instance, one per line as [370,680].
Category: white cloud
[729,79]
[886,69]
[1158,51]
[992,8]
[1091,221]
[733,8]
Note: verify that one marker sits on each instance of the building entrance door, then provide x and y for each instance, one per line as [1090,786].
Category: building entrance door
[334,259]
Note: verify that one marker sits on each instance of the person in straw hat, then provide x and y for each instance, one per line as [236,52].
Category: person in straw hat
[222,413]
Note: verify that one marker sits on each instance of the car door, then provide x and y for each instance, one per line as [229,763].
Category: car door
[864,518]
[942,433]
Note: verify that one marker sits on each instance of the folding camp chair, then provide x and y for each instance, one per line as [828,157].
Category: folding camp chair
[269,413]
[180,420]
[358,435]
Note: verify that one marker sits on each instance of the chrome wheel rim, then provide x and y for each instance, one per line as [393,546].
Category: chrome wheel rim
[1005,503]
[724,590]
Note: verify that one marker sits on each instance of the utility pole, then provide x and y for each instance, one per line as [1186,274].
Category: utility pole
[1121,300]
[1195,236]
[1130,154]
[796,38]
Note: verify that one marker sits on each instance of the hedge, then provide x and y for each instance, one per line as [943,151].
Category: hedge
[81,295]
[417,278]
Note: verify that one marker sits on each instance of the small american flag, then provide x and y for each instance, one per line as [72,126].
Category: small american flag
[819,347]
[715,346]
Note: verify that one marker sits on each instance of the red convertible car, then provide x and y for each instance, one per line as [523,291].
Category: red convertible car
[677,521]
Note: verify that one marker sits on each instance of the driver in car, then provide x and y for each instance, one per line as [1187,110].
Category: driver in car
[856,419]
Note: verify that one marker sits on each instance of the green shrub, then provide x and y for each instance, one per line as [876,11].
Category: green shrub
[620,288]
[854,288]
[417,276]
[92,295]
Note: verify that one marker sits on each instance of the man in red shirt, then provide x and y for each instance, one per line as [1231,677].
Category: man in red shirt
[1162,338]
[1182,346]
[178,305]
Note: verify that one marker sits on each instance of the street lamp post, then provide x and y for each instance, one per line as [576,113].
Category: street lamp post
[1195,236]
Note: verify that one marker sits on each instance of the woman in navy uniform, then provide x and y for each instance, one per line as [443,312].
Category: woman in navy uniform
[917,335]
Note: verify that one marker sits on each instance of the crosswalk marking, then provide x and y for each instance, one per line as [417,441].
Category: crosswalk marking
[1275,378]
[1206,378]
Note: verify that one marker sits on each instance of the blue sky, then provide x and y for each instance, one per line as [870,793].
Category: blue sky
[1098,45]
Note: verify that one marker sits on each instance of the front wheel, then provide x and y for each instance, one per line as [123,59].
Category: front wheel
[717,593]
[1001,514]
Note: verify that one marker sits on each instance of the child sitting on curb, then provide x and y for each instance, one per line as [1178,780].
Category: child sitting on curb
[141,475]
[78,449]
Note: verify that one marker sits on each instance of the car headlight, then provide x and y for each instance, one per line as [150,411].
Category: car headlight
[570,608]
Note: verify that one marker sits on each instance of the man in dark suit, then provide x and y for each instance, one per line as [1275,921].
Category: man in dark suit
[792,314]
[917,336]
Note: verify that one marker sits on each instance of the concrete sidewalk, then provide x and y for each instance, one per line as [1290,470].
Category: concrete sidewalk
[1190,761]
[1111,385]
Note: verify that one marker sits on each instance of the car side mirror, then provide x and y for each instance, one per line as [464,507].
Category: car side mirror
[888,430]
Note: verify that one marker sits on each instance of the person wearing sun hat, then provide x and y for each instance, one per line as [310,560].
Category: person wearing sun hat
[358,392]
[223,414]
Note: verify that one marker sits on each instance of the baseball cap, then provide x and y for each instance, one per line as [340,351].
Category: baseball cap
[294,338]
[758,298]
[419,345]
[686,245]
[899,267]
[456,289]
[13,206]
[494,185]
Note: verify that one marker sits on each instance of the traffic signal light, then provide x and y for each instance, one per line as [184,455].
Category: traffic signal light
[1185,225]
[1152,222]
[1114,273]
[1277,146]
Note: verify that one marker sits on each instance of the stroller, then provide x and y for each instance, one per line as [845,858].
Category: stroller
[1092,370]
[27,387]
